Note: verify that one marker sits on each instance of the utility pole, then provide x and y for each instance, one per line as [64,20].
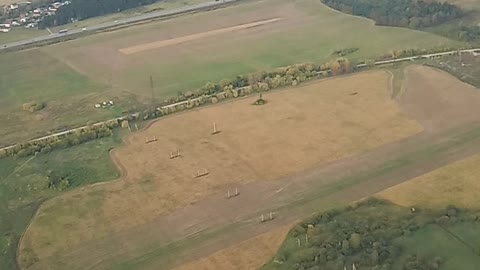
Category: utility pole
[153,91]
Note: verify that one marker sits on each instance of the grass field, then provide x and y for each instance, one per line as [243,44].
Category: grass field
[455,184]
[23,186]
[318,123]
[69,96]
[307,32]
[433,241]
[247,255]
[20,33]
[296,38]
[435,84]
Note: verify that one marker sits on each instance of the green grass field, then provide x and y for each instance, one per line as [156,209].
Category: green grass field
[23,185]
[433,241]
[20,33]
[35,76]
[309,32]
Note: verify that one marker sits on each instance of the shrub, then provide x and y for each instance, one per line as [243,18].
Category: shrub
[33,106]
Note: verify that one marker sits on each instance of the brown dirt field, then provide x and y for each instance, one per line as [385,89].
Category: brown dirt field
[297,129]
[455,184]
[179,40]
[438,100]
[246,255]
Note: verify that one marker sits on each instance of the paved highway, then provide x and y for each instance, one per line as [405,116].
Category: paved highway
[116,23]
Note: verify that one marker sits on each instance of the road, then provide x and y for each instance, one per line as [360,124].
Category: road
[117,23]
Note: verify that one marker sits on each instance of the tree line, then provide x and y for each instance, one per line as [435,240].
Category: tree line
[242,85]
[76,137]
[413,14]
[84,9]
[366,235]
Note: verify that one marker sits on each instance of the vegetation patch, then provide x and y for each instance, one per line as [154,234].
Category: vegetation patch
[33,106]
[24,185]
[345,52]
[404,13]
[375,234]
[260,101]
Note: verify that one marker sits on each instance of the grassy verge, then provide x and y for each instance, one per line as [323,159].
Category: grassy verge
[24,181]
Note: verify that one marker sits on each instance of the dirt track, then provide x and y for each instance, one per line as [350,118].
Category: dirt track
[199,227]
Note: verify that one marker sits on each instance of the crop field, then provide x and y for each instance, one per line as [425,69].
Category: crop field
[213,47]
[296,130]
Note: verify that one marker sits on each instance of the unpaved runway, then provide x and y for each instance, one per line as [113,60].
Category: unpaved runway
[176,41]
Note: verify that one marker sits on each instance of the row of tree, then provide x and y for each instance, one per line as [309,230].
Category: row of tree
[83,9]
[63,141]
[404,13]
[257,82]
[364,235]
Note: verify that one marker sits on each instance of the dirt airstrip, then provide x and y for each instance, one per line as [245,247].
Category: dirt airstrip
[178,40]
[294,140]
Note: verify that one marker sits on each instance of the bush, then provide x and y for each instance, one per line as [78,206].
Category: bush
[33,106]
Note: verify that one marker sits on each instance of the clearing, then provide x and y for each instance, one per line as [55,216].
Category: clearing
[296,130]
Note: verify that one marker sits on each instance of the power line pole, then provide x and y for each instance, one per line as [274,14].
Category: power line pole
[152,89]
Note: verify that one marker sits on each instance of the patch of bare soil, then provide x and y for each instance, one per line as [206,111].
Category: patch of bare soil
[437,99]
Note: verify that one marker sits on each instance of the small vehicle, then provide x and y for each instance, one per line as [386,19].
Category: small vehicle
[84,29]
[63,31]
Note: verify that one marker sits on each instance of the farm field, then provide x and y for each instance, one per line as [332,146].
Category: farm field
[447,92]
[328,125]
[306,31]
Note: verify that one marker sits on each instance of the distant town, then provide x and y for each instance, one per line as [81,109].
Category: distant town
[25,14]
